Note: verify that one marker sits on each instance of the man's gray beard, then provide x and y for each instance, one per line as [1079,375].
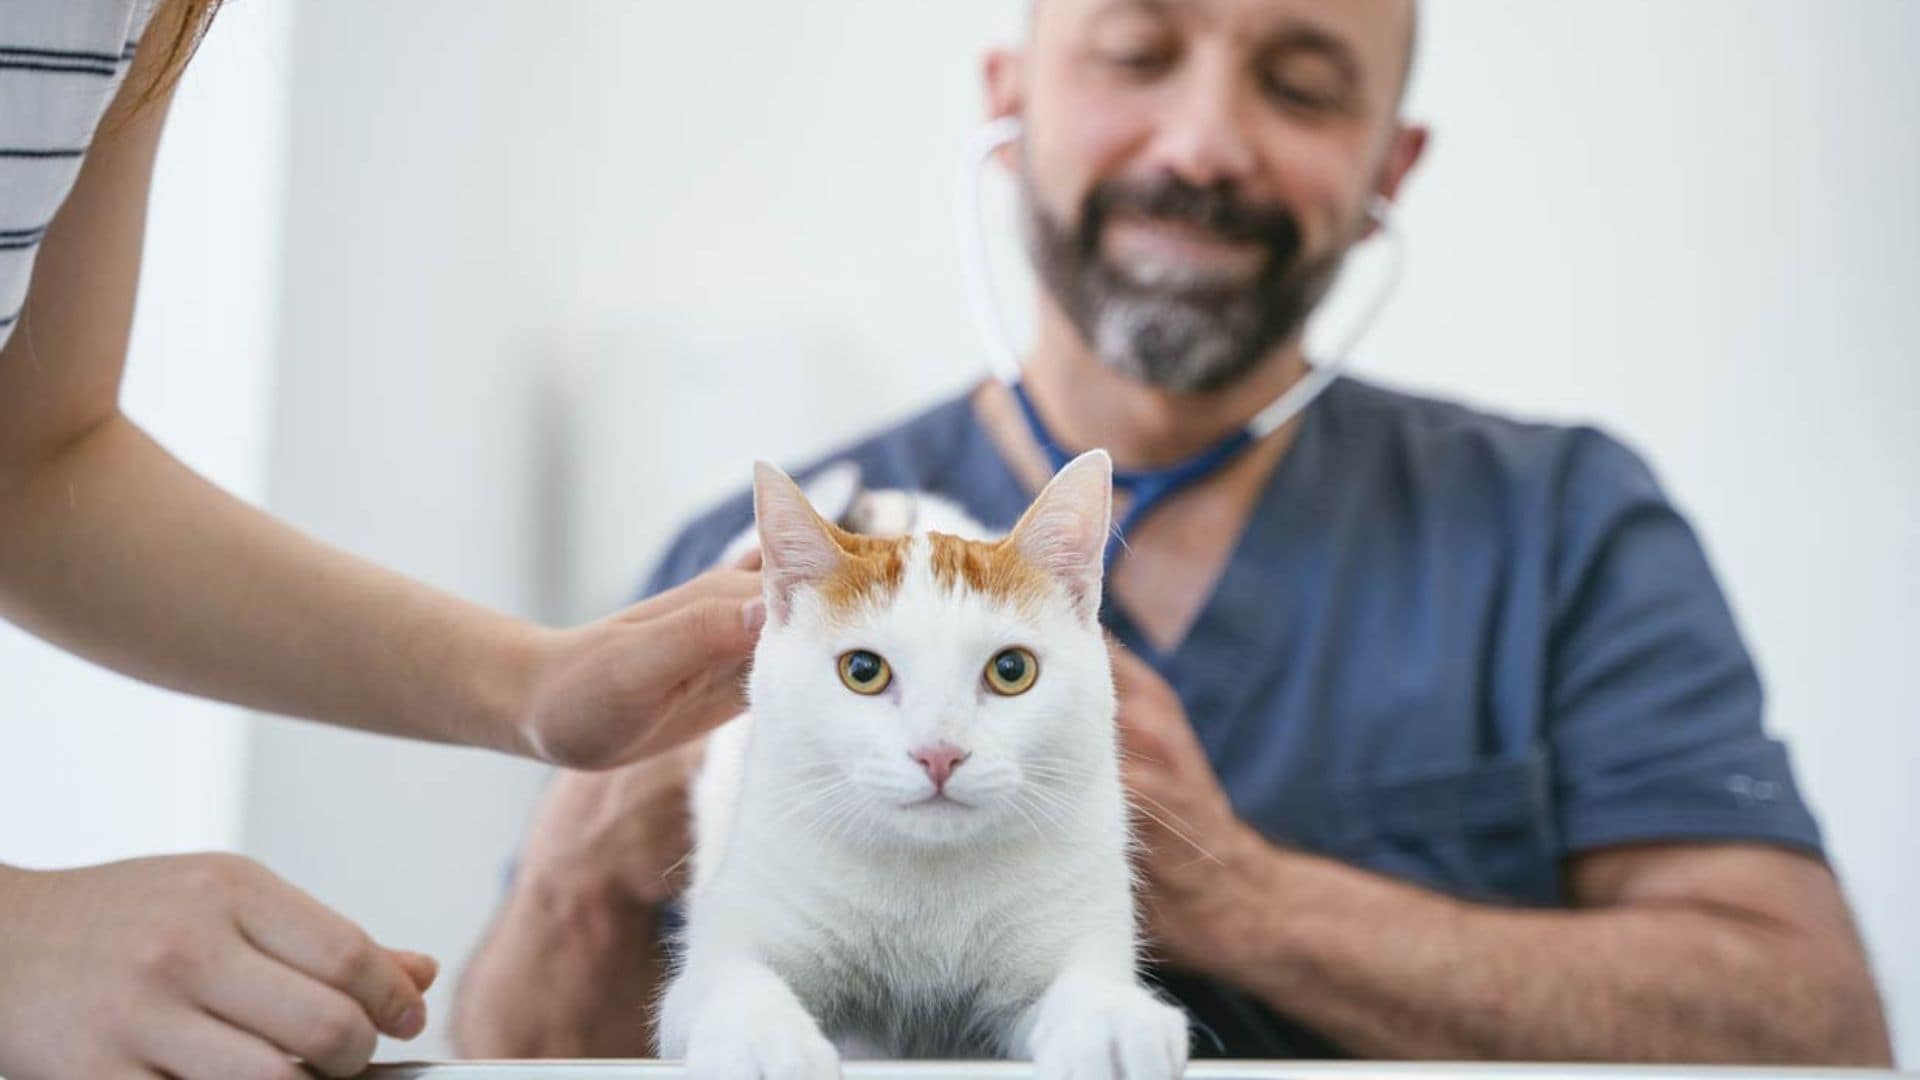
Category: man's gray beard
[1180,336]
[1165,340]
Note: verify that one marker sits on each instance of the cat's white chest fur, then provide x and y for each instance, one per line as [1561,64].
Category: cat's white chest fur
[897,955]
[917,845]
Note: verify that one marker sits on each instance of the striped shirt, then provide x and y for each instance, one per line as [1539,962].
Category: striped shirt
[61,62]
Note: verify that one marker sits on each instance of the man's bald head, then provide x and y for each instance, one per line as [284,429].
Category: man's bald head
[1411,51]
[1406,15]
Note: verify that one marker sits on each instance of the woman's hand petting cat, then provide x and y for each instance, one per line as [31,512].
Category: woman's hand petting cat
[623,834]
[1192,845]
[648,678]
[191,966]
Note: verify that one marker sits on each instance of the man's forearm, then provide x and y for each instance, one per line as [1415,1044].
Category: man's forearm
[115,550]
[1391,970]
[565,971]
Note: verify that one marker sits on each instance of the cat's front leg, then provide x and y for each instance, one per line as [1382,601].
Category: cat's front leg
[1098,1025]
[736,1019]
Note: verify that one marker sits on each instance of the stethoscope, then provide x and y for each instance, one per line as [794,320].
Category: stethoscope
[1145,488]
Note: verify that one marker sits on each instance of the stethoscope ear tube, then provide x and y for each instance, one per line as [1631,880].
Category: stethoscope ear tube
[972,230]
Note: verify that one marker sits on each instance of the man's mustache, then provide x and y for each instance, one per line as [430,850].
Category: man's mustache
[1218,209]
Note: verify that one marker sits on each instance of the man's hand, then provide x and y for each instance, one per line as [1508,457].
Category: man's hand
[191,966]
[1671,952]
[628,829]
[1191,841]
[573,963]
[648,678]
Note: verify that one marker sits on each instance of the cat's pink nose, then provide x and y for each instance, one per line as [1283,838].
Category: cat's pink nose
[939,759]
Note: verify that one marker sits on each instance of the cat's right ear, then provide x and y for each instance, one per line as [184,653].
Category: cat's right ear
[796,546]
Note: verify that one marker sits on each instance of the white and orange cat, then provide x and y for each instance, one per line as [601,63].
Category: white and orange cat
[917,847]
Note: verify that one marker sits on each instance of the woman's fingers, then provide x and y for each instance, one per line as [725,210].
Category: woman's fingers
[294,1011]
[189,1045]
[300,932]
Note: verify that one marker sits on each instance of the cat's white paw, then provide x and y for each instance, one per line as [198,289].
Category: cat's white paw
[1107,1032]
[759,1036]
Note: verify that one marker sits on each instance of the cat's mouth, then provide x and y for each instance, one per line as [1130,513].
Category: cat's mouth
[938,799]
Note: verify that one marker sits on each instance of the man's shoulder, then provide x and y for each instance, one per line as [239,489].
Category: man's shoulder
[909,454]
[1445,442]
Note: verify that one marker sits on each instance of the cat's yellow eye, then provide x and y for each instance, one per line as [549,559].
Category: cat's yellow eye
[1012,671]
[864,672]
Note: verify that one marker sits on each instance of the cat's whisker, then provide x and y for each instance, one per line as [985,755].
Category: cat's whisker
[810,790]
[1169,826]
[801,806]
[1059,817]
[1052,768]
[1060,804]
[811,795]
[684,859]
[1050,797]
[1059,775]
[1127,755]
[805,775]
[819,807]
[833,813]
[821,801]
[846,811]
[1016,804]
[1057,785]
[1065,807]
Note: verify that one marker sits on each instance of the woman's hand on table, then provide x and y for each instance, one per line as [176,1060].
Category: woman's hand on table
[191,966]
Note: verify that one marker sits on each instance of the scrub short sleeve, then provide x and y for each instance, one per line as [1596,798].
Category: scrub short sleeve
[1654,707]
[698,546]
[676,567]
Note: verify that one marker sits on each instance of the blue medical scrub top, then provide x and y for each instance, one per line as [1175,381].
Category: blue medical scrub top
[1449,647]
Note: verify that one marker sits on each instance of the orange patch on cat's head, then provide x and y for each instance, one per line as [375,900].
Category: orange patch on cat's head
[992,568]
[871,569]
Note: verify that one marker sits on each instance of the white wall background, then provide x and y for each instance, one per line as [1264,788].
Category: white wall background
[93,766]
[554,273]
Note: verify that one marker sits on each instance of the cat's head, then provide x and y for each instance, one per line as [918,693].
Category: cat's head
[838,493]
[929,689]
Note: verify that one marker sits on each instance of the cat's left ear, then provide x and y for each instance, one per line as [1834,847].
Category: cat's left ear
[796,545]
[1064,532]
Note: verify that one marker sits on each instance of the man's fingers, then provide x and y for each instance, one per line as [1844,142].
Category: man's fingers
[297,930]
[1129,671]
[192,1045]
[1140,688]
[750,560]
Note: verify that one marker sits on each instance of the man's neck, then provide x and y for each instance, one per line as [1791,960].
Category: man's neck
[1087,404]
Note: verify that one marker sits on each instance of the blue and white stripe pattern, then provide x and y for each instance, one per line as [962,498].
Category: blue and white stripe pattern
[61,62]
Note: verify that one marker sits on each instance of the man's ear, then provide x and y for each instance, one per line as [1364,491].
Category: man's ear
[1004,81]
[1408,146]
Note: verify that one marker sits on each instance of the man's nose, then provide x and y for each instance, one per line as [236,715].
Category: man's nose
[1204,137]
[939,760]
